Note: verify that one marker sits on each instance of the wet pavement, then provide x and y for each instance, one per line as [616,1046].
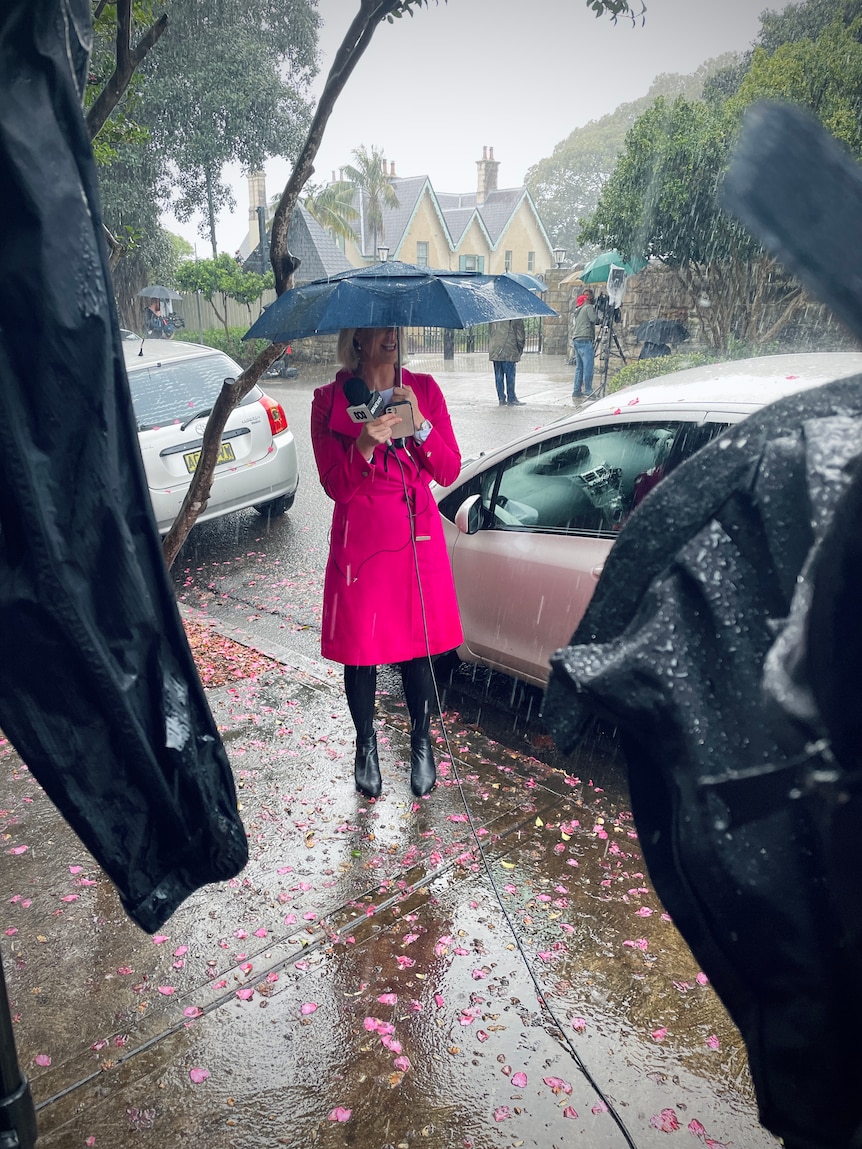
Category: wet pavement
[488,966]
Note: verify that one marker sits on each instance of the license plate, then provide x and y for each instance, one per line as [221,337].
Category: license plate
[225,455]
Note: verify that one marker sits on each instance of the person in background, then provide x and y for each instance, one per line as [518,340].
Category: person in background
[158,326]
[388,595]
[506,344]
[584,343]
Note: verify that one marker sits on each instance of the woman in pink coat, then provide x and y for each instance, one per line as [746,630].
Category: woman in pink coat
[388,595]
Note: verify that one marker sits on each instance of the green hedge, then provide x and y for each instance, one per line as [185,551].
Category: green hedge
[643,369]
[243,352]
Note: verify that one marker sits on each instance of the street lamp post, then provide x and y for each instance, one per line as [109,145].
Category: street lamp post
[383,254]
[559,256]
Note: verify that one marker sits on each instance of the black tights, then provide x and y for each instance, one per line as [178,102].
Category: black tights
[360,685]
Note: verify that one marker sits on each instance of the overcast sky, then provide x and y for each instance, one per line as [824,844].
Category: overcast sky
[515,75]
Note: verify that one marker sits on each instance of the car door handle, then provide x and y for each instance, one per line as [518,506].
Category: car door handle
[597,571]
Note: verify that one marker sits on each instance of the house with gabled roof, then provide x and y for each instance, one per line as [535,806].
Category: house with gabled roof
[490,230]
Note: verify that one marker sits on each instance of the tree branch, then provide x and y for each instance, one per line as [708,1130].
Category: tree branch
[357,39]
[127,60]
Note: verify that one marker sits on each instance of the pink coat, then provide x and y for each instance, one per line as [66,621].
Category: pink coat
[373,609]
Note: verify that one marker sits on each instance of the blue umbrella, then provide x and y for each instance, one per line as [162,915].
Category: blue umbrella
[394,294]
[531,282]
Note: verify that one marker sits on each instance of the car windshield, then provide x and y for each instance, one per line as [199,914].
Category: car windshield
[173,391]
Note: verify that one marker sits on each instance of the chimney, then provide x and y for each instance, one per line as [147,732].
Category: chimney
[333,175]
[256,199]
[392,170]
[487,175]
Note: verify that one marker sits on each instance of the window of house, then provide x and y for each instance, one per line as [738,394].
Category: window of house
[507,261]
[422,253]
[531,261]
[471,263]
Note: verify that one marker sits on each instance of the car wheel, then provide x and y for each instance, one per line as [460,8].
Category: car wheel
[275,507]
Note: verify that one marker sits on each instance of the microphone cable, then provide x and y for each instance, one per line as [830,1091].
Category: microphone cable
[525,958]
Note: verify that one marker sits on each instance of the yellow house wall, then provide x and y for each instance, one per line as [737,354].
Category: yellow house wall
[426,228]
[520,237]
[473,243]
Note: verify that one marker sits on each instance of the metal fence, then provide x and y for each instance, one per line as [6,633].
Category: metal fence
[437,341]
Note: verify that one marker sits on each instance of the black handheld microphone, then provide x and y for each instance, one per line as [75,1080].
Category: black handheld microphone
[364,405]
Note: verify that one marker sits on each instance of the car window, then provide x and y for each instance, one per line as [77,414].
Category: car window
[175,390]
[584,482]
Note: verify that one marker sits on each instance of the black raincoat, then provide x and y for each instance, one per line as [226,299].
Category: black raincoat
[724,641]
[98,689]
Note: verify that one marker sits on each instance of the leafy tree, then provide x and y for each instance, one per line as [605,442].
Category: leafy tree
[206,106]
[566,185]
[221,279]
[661,201]
[333,207]
[368,175]
[823,74]
[804,21]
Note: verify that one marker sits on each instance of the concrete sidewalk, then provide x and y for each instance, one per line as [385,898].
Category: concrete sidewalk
[370,979]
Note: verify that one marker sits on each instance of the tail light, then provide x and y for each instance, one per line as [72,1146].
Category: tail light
[275,413]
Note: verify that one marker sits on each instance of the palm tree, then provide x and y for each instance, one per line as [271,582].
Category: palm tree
[332,206]
[369,175]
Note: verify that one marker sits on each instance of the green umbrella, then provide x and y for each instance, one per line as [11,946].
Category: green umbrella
[596,271]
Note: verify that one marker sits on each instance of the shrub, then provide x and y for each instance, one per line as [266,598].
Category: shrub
[243,352]
[643,369]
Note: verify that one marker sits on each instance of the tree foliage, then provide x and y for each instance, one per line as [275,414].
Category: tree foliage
[221,279]
[566,185]
[332,205]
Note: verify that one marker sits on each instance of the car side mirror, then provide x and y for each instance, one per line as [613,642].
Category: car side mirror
[468,517]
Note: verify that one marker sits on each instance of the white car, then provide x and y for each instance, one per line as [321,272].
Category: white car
[529,526]
[174,386]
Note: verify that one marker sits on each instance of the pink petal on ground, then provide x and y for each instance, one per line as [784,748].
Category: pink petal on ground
[18,850]
[519,1080]
[712,1041]
[340,1114]
[192,1011]
[290,920]
[180,950]
[70,898]
[570,1112]
[198,1075]
[438,999]
[159,939]
[167,990]
[579,1023]
[402,1063]
[245,994]
[372,1024]
[659,1034]
[558,1085]
[303,965]
[75,869]
[391,1044]
[240,934]
[388,999]
[11,932]
[702,979]
[42,1059]
[482,1035]
[309,917]
[90,1141]
[405,962]
[124,970]
[478,974]
[696,1128]
[261,933]
[502,1113]
[599,1107]
[644,912]
[465,1018]
[308,1007]
[666,1121]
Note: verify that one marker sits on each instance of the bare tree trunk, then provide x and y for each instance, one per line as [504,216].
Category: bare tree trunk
[211,217]
[358,37]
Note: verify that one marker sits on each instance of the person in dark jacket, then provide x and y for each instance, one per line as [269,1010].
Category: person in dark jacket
[583,341]
[507,340]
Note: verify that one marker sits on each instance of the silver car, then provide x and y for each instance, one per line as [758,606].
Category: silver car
[529,526]
[174,386]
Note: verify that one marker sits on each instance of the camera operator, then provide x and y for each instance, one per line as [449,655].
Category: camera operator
[583,341]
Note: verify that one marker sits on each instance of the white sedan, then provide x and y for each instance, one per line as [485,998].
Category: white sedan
[174,386]
[529,526]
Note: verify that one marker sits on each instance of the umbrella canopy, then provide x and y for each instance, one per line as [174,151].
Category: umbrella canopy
[531,282]
[660,331]
[596,271]
[395,294]
[156,291]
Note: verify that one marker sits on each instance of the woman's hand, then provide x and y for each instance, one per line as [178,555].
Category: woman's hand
[402,393]
[375,434]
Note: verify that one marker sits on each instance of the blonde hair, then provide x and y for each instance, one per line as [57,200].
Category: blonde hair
[346,350]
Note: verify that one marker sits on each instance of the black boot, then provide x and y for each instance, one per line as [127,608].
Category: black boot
[423,772]
[366,769]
